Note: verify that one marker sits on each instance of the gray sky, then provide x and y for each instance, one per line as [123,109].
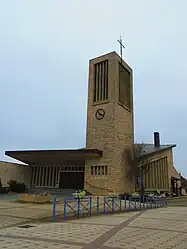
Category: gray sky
[44,51]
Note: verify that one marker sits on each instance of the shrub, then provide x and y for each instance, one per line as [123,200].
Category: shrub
[1,185]
[4,190]
[18,187]
[124,195]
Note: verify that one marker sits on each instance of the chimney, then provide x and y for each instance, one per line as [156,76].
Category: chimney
[156,139]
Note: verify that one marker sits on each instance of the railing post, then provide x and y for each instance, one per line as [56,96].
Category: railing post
[104,206]
[65,208]
[155,203]
[162,203]
[120,204]
[143,199]
[113,205]
[78,207]
[147,202]
[90,205]
[129,202]
[54,209]
[98,205]
[125,202]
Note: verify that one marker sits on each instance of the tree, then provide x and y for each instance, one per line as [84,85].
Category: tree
[135,168]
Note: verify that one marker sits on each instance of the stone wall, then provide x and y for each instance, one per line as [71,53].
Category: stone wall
[13,171]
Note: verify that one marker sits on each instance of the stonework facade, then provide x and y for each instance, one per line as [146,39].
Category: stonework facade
[13,171]
[112,133]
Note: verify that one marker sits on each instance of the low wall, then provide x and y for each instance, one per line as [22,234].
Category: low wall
[14,171]
[35,198]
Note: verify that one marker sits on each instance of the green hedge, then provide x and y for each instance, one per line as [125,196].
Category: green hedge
[17,187]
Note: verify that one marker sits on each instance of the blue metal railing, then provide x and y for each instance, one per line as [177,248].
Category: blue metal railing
[103,205]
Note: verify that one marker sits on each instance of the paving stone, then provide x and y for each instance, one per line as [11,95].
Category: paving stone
[103,219]
[8,221]
[164,224]
[9,243]
[126,214]
[164,228]
[138,238]
[60,231]
[167,213]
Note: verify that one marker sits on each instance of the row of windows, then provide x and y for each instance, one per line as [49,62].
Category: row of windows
[99,170]
[66,167]
[73,168]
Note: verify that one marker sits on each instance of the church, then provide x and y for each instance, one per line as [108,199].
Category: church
[102,166]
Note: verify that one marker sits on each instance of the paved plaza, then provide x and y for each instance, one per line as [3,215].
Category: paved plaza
[162,228]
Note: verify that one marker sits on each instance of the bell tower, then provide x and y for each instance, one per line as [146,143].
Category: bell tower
[110,124]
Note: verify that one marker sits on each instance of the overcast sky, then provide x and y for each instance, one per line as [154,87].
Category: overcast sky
[45,46]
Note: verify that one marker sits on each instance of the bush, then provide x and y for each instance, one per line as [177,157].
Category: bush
[124,195]
[1,185]
[4,190]
[17,187]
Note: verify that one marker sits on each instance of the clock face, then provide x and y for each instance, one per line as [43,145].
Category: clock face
[100,113]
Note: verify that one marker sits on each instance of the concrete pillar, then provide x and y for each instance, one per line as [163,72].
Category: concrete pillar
[49,177]
[36,178]
[151,175]
[46,174]
[53,172]
[162,175]
[159,175]
[156,174]
[39,176]
[43,176]
[144,175]
[58,176]
[33,175]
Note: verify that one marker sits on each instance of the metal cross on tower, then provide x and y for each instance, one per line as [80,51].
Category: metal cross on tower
[121,48]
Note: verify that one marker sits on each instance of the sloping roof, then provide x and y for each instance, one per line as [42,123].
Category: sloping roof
[54,156]
[148,149]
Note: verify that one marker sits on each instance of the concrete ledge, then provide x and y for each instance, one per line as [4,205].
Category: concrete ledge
[35,198]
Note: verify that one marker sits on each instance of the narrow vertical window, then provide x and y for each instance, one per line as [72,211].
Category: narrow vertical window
[103,170]
[100,90]
[99,170]
[124,87]
[106,170]
[95,170]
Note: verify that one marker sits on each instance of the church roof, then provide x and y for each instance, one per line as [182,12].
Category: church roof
[73,156]
[54,156]
[149,149]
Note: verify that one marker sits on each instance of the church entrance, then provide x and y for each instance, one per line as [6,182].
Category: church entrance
[73,179]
